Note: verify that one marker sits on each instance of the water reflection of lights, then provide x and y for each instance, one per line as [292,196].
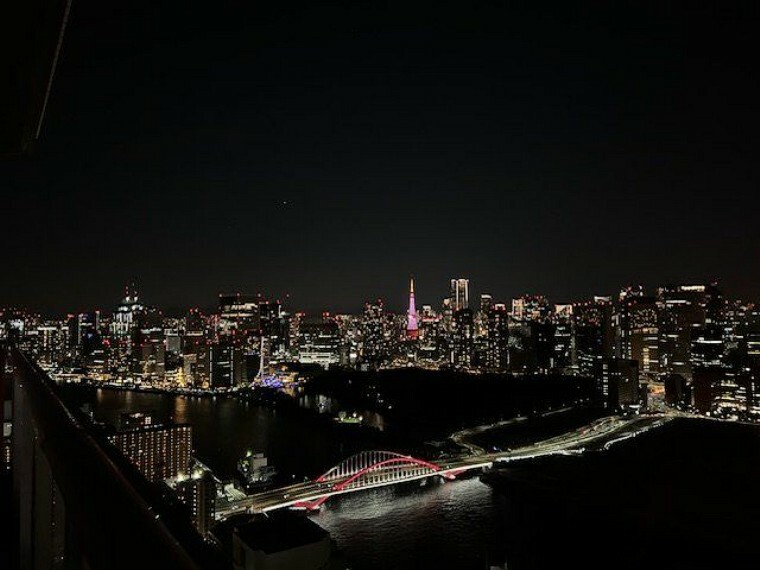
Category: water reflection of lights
[384,501]
[180,411]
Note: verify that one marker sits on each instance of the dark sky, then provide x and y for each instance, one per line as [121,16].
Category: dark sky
[329,152]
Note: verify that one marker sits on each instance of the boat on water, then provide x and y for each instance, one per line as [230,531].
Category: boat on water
[255,470]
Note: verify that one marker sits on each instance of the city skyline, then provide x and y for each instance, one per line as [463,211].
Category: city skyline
[658,334]
[397,303]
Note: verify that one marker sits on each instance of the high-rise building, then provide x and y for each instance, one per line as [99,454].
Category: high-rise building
[531,308]
[374,335]
[541,349]
[135,420]
[432,345]
[480,332]
[194,322]
[617,382]
[278,335]
[269,315]
[729,392]
[319,342]
[751,390]
[225,359]
[519,341]
[125,334]
[274,330]
[152,355]
[497,324]
[238,312]
[83,329]
[85,345]
[158,451]
[195,352]
[707,346]
[124,320]
[563,358]
[682,308]
[198,493]
[412,326]
[637,332]
[459,294]
[173,340]
[481,318]
[594,333]
[52,345]
[464,333]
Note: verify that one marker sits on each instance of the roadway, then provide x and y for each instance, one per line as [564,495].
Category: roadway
[598,435]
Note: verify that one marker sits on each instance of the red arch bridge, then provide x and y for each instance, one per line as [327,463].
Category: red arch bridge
[365,470]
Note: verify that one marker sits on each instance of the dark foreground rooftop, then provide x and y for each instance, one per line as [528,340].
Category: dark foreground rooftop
[280,531]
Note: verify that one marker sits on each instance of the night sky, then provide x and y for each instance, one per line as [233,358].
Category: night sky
[329,152]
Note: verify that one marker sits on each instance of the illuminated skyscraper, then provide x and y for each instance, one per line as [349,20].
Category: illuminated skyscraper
[462,346]
[531,308]
[198,493]
[617,381]
[319,342]
[497,324]
[460,294]
[433,339]
[239,312]
[563,345]
[593,332]
[225,361]
[481,317]
[126,315]
[683,309]
[637,332]
[373,326]
[412,328]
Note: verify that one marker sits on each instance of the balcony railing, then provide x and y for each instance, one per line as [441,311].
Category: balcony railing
[77,503]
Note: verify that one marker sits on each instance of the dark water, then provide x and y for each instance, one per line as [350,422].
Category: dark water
[332,408]
[441,525]
[547,515]
[298,444]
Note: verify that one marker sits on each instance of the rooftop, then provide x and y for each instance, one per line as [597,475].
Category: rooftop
[280,531]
